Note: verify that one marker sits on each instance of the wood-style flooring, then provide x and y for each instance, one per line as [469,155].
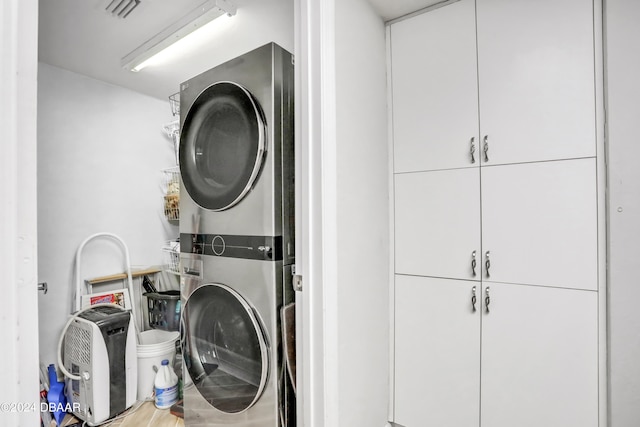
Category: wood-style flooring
[147,415]
[140,415]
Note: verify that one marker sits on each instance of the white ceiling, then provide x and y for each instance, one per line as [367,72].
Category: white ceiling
[80,36]
[391,9]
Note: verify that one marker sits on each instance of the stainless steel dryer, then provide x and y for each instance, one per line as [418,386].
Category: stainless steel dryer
[236,154]
[236,239]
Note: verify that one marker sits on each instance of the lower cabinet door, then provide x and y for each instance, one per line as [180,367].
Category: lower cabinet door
[437,352]
[539,357]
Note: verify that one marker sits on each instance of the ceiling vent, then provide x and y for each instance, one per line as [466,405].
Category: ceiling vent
[121,8]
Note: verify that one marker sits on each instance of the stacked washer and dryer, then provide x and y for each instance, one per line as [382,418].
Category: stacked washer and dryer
[237,239]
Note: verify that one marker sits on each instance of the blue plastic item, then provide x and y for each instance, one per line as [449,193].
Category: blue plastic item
[57,399]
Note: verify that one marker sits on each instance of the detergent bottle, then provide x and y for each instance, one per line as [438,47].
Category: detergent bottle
[165,386]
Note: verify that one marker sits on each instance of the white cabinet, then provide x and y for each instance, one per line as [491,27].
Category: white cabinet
[437,336]
[525,210]
[435,89]
[536,223]
[529,358]
[437,223]
[530,69]
[539,223]
[536,78]
[539,357]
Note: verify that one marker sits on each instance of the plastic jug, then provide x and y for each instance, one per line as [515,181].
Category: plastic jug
[166,386]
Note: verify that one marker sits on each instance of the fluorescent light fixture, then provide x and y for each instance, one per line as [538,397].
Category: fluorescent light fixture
[203,14]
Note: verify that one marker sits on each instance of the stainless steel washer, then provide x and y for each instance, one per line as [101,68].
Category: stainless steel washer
[231,342]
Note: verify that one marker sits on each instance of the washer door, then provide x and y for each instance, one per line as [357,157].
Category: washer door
[224,348]
[222,145]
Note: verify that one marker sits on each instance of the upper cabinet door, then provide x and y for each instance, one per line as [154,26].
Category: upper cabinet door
[435,93]
[536,76]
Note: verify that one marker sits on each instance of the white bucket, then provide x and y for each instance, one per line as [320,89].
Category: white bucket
[154,346]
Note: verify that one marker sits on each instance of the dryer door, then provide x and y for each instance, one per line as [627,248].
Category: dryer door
[224,348]
[222,145]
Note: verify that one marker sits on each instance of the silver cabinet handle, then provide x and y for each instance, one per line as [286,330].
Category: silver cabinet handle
[487,299]
[473,263]
[487,263]
[473,299]
[486,148]
[472,151]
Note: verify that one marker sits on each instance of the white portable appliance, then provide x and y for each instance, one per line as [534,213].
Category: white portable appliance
[100,362]
[100,348]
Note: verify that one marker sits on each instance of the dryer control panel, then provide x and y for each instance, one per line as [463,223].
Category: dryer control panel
[263,248]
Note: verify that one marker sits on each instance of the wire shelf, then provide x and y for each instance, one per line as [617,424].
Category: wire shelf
[172,130]
[171,253]
[171,186]
[174,102]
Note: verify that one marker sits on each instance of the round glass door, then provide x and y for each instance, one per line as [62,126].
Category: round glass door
[224,348]
[222,145]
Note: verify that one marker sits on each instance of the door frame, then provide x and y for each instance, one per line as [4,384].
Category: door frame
[316,220]
[18,220]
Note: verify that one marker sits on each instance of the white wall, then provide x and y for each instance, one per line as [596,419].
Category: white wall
[101,151]
[623,111]
[362,212]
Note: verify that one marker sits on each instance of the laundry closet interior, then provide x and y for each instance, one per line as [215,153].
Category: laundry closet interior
[446,238]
